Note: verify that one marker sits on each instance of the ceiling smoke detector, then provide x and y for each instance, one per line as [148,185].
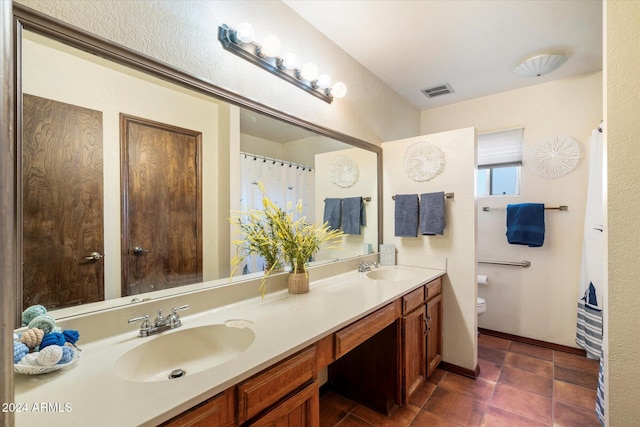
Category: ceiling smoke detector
[438,90]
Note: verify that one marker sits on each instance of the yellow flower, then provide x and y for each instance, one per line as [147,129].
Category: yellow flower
[279,237]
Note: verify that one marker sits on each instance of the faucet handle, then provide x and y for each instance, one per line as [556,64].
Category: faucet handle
[145,322]
[174,318]
[182,307]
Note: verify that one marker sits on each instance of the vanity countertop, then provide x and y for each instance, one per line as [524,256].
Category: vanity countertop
[90,393]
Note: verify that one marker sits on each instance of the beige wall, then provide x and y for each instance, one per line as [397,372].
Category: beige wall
[537,302]
[457,245]
[622,142]
[367,162]
[184,34]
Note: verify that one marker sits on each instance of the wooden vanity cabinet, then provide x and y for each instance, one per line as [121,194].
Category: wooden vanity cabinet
[286,392]
[367,360]
[414,343]
[434,324]
[301,409]
[216,411]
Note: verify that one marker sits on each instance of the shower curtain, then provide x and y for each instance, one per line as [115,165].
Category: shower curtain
[284,183]
[590,304]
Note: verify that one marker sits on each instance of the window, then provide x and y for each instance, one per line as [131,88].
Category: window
[499,163]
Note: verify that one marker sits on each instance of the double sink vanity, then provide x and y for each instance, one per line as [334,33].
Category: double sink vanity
[253,361]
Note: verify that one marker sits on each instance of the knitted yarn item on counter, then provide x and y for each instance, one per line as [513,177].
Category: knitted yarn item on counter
[67,355]
[19,351]
[71,335]
[32,312]
[50,355]
[54,338]
[45,322]
[30,359]
[32,337]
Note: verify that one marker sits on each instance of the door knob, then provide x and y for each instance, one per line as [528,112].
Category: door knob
[93,256]
[139,250]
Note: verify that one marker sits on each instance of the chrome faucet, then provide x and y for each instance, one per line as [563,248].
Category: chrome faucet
[366,266]
[161,323]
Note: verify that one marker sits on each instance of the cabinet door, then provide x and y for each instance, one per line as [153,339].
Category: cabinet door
[414,347]
[217,411]
[434,333]
[300,410]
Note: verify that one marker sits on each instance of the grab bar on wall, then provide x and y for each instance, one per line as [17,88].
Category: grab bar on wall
[524,263]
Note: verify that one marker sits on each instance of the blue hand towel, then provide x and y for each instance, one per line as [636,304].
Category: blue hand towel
[353,215]
[333,213]
[525,224]
[432,213]
[406,215]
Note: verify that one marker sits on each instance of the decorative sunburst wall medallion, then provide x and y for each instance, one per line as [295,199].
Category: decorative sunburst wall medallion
[344,171]
[423,161]
[554,157]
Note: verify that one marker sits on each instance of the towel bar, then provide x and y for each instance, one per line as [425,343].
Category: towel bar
[524,263]
[557,208]
[446,196]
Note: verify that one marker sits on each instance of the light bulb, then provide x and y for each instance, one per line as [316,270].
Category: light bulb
[270,46]
[289,60]
[244,32]
[324,81]
[309,72]
[339,90]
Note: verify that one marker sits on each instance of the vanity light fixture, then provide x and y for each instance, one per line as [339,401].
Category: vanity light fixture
[240,41]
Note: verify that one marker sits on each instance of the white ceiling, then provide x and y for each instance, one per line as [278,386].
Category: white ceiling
[471,44]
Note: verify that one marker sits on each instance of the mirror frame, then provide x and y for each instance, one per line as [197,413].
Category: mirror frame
[31,20]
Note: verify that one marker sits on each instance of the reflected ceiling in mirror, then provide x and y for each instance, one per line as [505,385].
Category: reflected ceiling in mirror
[122,132]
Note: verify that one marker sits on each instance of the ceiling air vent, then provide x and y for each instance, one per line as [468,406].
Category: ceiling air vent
[438,90]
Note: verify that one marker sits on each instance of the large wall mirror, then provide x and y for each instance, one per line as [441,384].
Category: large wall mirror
[128,174]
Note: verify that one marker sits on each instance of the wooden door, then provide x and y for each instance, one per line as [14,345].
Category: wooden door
[62,204]
[434,333]
[162,209]
[414,345]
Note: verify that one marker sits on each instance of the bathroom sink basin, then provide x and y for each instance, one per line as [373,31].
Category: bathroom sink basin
[183,352]
[391,274]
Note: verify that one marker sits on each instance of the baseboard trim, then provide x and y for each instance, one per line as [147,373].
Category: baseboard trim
[471,373]
[525,340]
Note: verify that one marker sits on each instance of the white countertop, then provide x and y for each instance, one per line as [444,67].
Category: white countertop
[89,393]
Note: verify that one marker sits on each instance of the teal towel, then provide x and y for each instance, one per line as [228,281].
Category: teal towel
[406,215]
[352,215]
[525,224]
[333,213]
[432,213]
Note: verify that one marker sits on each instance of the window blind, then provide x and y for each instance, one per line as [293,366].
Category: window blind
[498,148]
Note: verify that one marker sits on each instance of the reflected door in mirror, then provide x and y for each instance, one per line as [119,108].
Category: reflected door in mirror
[162,215]
[62,204]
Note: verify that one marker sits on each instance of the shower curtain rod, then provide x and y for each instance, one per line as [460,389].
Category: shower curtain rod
[274,161]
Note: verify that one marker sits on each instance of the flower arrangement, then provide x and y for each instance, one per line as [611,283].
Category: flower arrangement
[279,237]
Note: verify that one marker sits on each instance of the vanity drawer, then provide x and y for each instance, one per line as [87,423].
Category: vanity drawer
[434,288]
[268,387]
[352,336]
[412,300]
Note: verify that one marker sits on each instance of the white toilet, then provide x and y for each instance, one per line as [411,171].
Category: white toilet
[482,306]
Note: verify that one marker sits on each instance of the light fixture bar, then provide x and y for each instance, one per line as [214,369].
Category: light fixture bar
[226,35]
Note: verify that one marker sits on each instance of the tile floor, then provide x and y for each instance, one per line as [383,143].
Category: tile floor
[519,385]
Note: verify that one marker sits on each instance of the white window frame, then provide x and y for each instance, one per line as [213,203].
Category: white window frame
[500,149]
